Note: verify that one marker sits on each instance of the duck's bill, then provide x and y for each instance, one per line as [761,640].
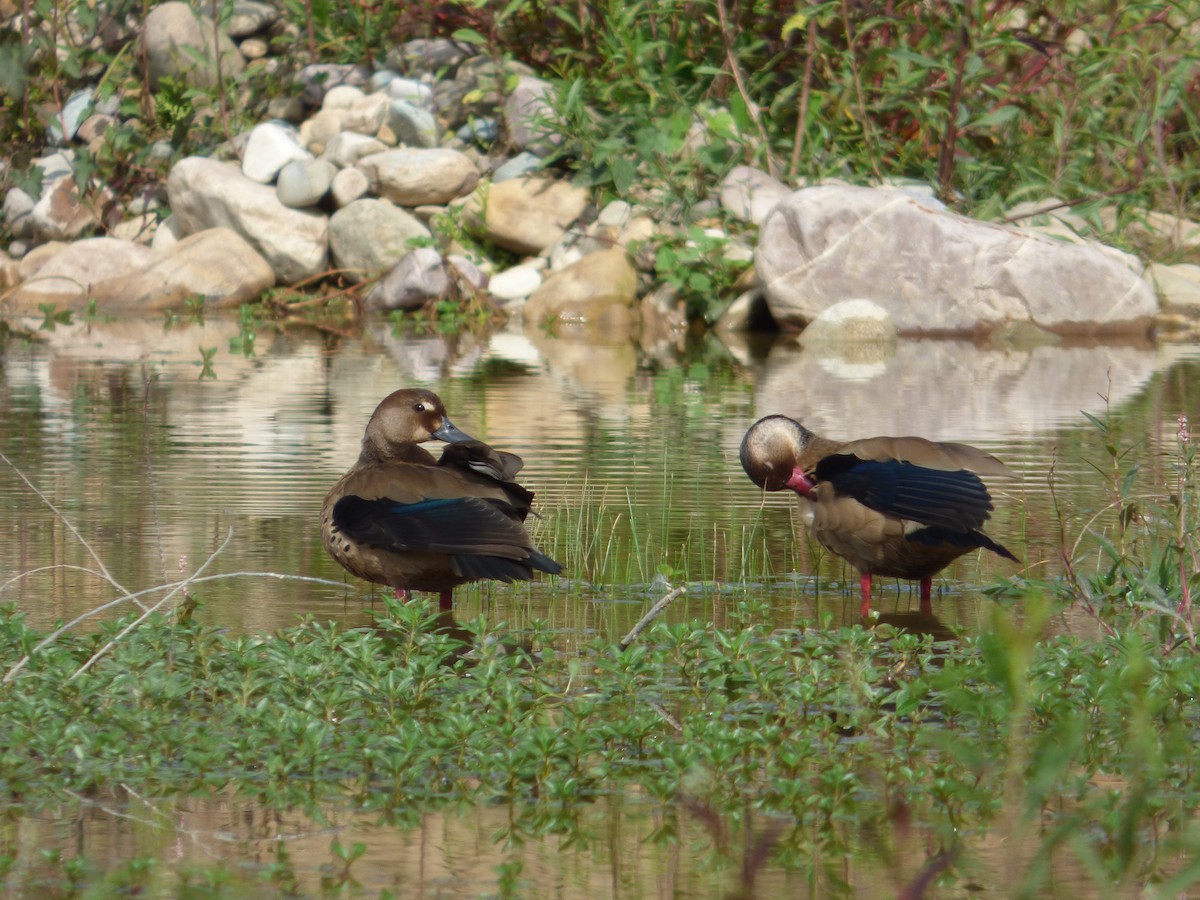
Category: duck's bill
[450,433]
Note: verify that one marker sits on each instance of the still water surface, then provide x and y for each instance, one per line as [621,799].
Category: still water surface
[632,451]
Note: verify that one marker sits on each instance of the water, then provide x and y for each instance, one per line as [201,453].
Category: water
[154,472]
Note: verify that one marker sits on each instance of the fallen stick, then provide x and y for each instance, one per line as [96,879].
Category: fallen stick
[654,613]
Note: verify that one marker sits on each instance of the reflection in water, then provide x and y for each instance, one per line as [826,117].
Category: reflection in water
[633,456]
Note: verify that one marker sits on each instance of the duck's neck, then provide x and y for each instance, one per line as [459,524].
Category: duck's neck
[373,454]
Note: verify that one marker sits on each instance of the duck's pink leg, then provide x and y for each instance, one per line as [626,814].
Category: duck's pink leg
[926,592]
[446,601]
[864,582]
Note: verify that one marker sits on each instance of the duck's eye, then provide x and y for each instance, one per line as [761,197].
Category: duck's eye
[419,407]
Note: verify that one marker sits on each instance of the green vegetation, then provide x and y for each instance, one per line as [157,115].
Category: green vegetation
[786,750]
[849,742]
[991,101]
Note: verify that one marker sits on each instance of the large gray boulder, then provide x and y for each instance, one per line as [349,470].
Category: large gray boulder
[205,193]
[368,236]
[935,271]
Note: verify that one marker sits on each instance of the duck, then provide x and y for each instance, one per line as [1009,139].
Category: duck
[904,507]
[402,518]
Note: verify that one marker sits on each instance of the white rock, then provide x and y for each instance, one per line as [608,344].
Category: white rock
[304,183]
[71,274]
[270,147]
[342,96]
[415,92]
[348,147]
[936,271]
[516,283]
[349,185]
[414,176]
[1178,285]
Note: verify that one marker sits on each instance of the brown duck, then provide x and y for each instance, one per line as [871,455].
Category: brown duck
[903,507]
[401,518]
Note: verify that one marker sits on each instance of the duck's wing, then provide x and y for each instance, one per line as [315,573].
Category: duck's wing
[426,509]
[952,499]
[478,457]
[942,455]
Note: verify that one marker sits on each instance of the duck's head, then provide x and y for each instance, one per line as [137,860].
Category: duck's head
[771,453]
[407,417]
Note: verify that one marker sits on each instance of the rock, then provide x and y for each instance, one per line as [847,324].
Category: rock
[1049,216]
[369,236]
[348,147]
[33,261]
[206,194]
[524,163]
[464,274]
[1158,231]
[343,96]
[54,166]
[254,48]
[304,182]
[319,131]
[599,290]
[216,264]
[1178,286]
[934,271]
[18,213]
[63,128]
[67,276]
[93,128]
[250,17]
[368,115]
[850,321]
[319,78]
[747,312]
[59,216]
[526,215]
[516,283]
[270,147]
[10,272]
[179,43]
[416,279]
[412,176]
[427,55]
[531,117]
[411,125]
[139,228]
[349,185]
[411,91]
[168,234]
[748,194]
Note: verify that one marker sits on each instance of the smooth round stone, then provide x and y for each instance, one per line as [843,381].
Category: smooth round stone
[524,163]
[304,183]
[415,92]
[412,126]
[349,185]
[516,283]
[254,48]
[270,147]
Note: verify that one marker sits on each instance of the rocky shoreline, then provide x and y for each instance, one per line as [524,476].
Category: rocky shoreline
[426,179]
